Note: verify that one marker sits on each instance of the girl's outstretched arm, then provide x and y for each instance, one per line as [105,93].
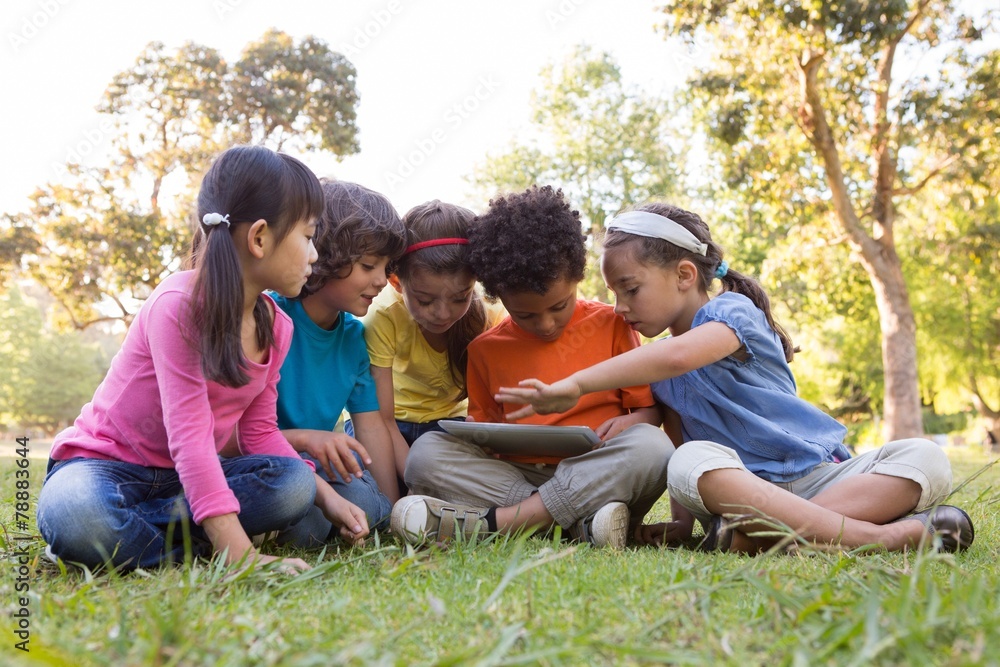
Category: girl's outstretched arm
[668,358]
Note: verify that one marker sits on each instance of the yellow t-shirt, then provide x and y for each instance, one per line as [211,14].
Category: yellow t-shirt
[423,387]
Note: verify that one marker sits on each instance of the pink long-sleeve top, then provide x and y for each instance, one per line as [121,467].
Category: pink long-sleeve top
[155,408]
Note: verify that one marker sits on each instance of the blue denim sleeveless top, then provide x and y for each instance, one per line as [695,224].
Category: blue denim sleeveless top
[751,405]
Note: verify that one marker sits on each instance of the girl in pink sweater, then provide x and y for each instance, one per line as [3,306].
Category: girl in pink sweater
[138,474]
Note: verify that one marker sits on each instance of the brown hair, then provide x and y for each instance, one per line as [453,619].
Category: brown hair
[658,252]
[438,220]
[356,221]
[245,183]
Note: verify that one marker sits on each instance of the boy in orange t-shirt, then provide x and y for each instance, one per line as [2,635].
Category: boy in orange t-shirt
[529,251]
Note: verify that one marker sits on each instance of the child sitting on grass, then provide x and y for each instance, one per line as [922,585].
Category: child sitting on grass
[327,367]
[752,446]
[529,251]
[137,480]
[418,332]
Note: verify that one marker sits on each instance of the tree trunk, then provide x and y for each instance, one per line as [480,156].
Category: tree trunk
[902,413]
[991,416]
[878,253]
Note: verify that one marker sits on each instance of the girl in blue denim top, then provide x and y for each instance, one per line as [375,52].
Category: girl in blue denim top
[755,456]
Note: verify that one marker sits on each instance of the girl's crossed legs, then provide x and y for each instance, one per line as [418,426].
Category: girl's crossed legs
[95,511]
[850,503]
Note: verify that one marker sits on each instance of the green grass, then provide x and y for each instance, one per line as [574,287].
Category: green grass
[527,600]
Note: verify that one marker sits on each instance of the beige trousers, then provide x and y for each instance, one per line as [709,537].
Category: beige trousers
[630,468]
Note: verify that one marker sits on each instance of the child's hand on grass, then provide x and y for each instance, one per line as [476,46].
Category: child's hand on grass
[347,517]
[286,565]
[658,534]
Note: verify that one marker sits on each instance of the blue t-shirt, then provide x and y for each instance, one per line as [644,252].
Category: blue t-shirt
[751,405]
[323,372]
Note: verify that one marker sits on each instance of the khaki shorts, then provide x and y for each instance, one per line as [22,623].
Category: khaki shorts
[915,459]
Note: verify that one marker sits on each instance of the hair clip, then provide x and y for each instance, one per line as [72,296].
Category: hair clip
[213,219]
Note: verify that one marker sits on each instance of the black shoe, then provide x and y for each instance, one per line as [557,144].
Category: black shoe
[951,524]
[718,534]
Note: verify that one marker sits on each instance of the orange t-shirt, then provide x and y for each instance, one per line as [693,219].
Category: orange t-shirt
[507,354]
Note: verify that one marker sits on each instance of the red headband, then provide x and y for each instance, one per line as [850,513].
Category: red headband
[434,242]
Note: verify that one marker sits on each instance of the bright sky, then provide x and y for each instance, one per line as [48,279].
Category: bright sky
[441,83]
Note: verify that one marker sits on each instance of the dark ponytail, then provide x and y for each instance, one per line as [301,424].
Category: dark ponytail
[438,220]
[244,184]
[658,252]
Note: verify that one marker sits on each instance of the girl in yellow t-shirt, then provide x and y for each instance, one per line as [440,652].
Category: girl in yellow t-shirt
[421,324]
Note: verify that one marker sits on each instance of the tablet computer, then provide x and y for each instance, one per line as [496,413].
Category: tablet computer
[525,439]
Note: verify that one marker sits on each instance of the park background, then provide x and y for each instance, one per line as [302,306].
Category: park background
[843,152]
[870,216]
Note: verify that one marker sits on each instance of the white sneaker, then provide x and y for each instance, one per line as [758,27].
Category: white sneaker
[418,519]
[607,527]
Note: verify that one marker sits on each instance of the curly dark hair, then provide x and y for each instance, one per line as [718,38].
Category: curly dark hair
[356,221]
[526,241]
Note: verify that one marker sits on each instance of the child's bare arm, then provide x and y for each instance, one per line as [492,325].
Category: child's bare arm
[676,530]
[370,428]
[701,346]
[227,535]
[348,517]
[387,409]
[616,425]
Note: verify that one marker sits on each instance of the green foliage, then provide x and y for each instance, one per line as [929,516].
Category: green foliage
[605,144]
[101,240]
[303,94]
[46,375]
[817,120]
[950,423]
[956,291]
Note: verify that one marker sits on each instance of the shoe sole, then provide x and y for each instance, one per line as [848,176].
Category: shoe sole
[610,526]
[409,519]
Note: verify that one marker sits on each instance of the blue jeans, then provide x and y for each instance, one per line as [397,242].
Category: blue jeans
[315,529]
[413,430]
[94,511]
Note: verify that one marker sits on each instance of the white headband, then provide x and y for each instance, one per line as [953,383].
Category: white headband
[644,223]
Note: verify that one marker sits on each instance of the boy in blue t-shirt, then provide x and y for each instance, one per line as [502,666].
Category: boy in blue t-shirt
[327,367]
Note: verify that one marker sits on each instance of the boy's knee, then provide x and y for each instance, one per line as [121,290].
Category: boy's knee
[649,447]
[421,462]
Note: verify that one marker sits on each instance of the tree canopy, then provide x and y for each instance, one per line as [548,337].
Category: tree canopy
[102,236]
[810,107]
[607,145]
